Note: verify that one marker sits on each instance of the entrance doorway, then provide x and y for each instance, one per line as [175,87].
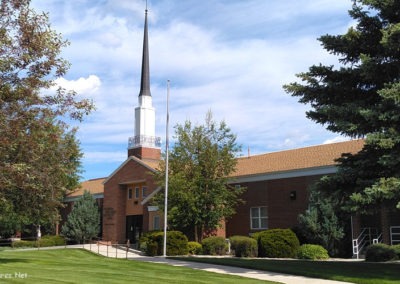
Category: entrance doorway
[134,227]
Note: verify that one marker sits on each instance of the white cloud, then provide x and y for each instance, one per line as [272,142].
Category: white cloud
[84,86]
[336,140]
[232,59]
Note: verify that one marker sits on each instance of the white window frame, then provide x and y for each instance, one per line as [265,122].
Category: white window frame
[130,193]
[259,218]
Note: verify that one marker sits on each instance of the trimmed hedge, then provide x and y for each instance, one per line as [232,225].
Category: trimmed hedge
[314,252]
[397,250]
[277,243]
[153,243]
[214,246]
[195,248]
[243,246]
[380,253]
[45,241]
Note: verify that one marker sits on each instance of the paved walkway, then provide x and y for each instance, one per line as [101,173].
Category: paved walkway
[250,273]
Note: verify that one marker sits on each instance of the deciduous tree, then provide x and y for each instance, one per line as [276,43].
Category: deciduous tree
[200,163]
[39,154]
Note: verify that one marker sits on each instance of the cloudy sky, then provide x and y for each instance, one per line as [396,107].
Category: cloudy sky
[228,56]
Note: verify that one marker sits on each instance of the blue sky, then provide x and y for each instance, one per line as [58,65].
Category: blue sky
[228,56]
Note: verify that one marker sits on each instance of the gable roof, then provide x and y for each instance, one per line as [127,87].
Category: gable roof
[148,163]
[296,159]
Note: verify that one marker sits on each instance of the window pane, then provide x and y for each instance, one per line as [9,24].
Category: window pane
[254,212]
[254,223]
[136,192]
[264,223]
[144,191]
[156,223]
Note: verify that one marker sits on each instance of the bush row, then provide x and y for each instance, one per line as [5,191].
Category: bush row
[382,252]
[45,241]
[274,243]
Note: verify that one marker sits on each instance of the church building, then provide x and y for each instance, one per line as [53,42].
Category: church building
[276,183]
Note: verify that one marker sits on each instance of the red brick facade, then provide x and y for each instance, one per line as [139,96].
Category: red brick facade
[285,199]
[115,209]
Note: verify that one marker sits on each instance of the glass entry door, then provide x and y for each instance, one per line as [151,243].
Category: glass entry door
[134,227]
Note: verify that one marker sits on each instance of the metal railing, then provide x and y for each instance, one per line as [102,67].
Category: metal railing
[366,237]
[144,140]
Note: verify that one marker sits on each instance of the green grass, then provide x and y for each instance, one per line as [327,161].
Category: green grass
[349,271]
[80,266]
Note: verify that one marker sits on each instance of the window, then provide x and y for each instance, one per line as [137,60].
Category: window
[259,218]
[130,193]
[144,191]
[156,223]
[137,192]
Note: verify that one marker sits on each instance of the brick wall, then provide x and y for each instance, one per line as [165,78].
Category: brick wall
[115,200]
[277,195]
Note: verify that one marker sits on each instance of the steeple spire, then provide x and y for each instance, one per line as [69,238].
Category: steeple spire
[145,144]
[145,79]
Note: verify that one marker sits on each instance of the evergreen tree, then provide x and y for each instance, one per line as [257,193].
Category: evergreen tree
[200,163]
[83,223]
[360,98]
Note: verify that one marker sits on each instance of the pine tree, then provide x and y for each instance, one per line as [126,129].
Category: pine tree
[360,98]
[83,222]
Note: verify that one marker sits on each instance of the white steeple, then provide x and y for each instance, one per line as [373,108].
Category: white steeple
[145,116]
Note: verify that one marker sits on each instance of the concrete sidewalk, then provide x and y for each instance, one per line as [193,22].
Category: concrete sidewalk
[250,273]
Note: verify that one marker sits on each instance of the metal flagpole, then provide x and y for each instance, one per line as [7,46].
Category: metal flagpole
[166,176]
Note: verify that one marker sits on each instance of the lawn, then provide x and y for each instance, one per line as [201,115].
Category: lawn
[349,271]
[80,266]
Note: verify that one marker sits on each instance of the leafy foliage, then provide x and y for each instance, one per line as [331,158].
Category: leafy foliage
[195,248]
[200,163]
[214,245]
[153,243]
[380,253]
[244,246]
[83,222]
[311,251]
[277,243]
[39,154]
[360,98]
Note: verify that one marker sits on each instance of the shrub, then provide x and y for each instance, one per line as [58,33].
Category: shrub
[23,244]
[277,243]
[309,251]
[214,245]
[380,253]
[397,250]
[244,246]
[49,241]
[177,243]
[45,241]
[194,248]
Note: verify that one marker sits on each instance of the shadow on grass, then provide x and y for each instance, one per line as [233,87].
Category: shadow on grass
[357,272]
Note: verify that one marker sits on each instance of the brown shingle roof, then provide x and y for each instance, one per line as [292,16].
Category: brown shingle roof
[94,186]
[302,158]
[289,160]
